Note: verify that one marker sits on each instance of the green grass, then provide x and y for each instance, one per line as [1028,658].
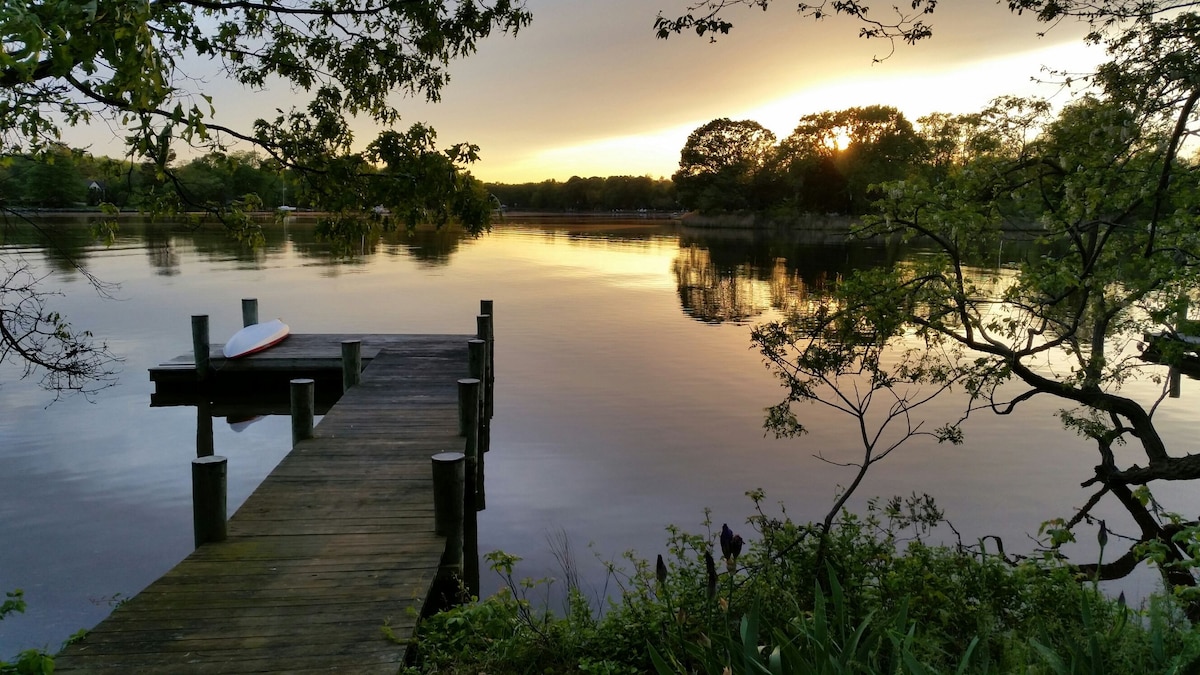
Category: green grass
[880,600]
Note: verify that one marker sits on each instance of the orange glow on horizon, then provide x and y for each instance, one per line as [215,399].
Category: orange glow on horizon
[956,89]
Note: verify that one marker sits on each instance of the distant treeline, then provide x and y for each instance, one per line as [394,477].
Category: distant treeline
[615,193]
[64,178]
[826,165]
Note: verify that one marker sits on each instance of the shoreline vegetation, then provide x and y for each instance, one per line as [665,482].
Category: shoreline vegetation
[876,593]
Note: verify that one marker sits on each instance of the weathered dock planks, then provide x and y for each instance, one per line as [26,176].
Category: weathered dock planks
[336,542]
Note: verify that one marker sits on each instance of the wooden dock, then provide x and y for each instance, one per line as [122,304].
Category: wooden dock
[337,542]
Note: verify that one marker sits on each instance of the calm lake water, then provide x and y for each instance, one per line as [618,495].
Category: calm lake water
[628,398]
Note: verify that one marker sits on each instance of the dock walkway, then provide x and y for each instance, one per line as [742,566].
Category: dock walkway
[335,543]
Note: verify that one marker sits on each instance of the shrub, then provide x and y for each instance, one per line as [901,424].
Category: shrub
[876,598]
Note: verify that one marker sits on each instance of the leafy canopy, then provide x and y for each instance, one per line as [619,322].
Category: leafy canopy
[912,22]
[1113,205]
[722,164]
[135,66]
[141,68]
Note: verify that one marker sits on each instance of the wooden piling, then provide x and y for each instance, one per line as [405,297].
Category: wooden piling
[1174,382]
[471,552]
[249,311]
[488,308]
[200,350]
[204,428]
[477,358]
[303,392]
[449,480]
[351,363]
[468,427]
[484,330]
[477,368]
[209,480]
[468,415]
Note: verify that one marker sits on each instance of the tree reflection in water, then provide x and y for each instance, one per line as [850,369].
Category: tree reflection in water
[738,276]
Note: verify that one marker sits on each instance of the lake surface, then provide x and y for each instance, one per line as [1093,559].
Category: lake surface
[628,398]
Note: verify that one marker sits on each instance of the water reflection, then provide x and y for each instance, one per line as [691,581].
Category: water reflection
[64,243]
[714,297]
[161,251]
[431,246]
[67,242]
[738,275]
[620,411]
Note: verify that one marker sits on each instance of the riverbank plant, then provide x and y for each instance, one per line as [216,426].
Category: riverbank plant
[29,661]
[886,598]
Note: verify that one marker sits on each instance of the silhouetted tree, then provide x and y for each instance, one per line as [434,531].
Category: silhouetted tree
[724,166]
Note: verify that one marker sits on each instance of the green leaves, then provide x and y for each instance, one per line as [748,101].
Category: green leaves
[1113,210]
[122,59]
[14,603]
[722,165]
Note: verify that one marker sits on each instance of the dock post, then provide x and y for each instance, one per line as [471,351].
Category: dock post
[209,479]
[1174,382]
[449,476]
[468,402]
[471,553]
[488,308]
[485,330]
[476,362]
[204,428]
[351,363]
[477,368]
[200,354]
[303,402]
[468,426]
[249,311]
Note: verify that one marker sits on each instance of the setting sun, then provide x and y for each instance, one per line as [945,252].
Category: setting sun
[961,87]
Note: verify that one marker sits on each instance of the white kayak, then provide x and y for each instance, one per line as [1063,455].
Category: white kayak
[255,338]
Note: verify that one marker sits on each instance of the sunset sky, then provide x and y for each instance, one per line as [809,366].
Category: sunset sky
[588,90]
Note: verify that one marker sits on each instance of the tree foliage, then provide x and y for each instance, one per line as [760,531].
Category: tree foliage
[42,341]
[881,600]
[129,62]
[595,193]
[827,164]
[831,159]
[912,22]
[142,67]
[1115,208]
[723,165]
[909,24]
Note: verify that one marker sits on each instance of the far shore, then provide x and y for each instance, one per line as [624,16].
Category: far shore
[829,225]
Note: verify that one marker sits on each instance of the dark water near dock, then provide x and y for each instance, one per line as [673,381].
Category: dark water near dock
[627,398]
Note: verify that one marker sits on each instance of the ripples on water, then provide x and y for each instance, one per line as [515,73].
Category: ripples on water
[628,397]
